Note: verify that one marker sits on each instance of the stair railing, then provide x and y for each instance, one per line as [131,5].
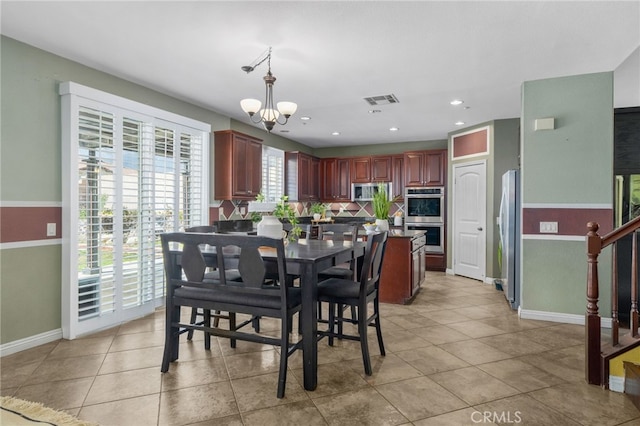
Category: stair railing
[594,371]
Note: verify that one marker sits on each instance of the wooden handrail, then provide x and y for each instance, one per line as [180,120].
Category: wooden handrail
[594,370]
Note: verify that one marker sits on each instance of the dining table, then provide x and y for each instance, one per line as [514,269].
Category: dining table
[305,258]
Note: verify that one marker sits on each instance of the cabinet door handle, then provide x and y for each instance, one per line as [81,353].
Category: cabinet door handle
[479,228]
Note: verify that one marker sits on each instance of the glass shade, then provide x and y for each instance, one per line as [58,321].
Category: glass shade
[269,114]
[250,106]
[287,108]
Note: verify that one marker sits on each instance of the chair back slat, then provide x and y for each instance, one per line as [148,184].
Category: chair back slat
[338,232]
[372,263]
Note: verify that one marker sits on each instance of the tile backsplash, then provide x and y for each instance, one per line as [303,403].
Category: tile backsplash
[237,210]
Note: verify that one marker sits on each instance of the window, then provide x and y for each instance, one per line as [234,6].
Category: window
[272,173]
[130,172]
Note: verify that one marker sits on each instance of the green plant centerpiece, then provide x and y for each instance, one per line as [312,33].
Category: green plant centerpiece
[285,211]
[381,207]
[317,209]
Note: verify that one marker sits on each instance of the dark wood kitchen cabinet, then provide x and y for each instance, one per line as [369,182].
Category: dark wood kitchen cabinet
[403,268]
[425,168]
[335,180]
[238,166]
[397,176]
[381,168]
[376,168]
[302,176]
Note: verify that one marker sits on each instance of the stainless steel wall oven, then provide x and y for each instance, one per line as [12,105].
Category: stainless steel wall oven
[425,211]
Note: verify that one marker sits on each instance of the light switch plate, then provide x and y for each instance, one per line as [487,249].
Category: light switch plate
[51,229]
[548,227]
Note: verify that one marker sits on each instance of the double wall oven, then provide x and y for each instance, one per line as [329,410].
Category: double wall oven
[425,211]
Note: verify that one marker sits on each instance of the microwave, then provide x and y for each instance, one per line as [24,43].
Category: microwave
[365,191]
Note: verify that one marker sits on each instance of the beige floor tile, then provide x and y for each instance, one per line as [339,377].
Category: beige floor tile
[465,417]
[474,352]
[197,404]
[78,347]
[432,359]
[409,396]
[588,405]
[334,378]
[252,364]
[66,369]
[133,360]
[143,409]
[125,384]
[476,329]
[522,409]
[556,336]
[124,342]
[473,385]
[568,363]
[257,392]
[445,316]
[440,334]
[28,356]
[514,344]
[409,321]
[520,375]
[359,407]
[12,376]
[397,341]
[234,420]
[296,413]
[62,394]
[193,373]
[386,369]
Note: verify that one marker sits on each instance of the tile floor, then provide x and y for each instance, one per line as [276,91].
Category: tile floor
[456,356]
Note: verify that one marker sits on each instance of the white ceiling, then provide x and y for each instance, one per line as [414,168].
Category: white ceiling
[328,56]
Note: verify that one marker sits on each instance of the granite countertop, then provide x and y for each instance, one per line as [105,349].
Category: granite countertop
[401,233]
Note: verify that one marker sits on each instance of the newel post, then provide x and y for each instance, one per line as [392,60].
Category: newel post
[593,371]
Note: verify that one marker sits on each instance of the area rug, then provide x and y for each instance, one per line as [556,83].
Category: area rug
[17,412]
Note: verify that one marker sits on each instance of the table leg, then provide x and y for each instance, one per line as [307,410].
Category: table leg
[309,318]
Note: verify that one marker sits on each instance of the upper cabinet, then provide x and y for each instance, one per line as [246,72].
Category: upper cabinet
[335,180]
[397,176]
[371,169]
[425,168]
[302,176]
[238,166]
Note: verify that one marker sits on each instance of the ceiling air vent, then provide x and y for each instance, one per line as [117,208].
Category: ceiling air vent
[382,100]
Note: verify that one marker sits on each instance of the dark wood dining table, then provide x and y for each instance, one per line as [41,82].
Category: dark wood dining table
[305,258]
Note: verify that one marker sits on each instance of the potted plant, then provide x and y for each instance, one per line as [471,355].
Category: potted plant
[381,206]
[317,210]
[285,211]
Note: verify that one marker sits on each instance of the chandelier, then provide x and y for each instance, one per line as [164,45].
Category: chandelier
[269,115]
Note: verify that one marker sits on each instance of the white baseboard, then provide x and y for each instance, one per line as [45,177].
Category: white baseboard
[616,384]
[559,317]
[449,272]
[30,342]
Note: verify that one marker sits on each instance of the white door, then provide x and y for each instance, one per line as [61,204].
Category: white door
[469,220]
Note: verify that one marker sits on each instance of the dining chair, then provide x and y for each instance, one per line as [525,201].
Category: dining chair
[211,273]
[247,296]
[338,232]
[338,292]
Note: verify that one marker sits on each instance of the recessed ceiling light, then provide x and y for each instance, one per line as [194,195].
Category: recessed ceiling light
[393,129]
[305,118]
[456,102]
[374,111]
[284,131]
[459,123]
[335,134]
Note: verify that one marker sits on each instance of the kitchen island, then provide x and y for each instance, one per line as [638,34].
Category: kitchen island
[403,267]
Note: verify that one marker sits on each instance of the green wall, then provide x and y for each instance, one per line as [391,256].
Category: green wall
[571,164]
[382,149]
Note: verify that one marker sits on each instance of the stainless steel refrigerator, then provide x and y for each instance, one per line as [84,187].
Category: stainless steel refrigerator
[509,244]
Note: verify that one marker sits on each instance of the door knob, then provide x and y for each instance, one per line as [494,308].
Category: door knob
[479,228]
